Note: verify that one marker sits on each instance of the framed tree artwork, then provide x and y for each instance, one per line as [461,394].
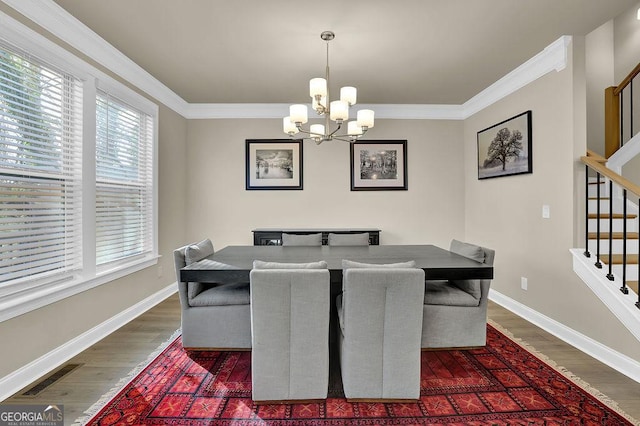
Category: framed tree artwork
[504,149]
[273,164]
[379,165]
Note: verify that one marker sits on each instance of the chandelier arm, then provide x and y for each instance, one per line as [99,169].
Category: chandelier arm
[351,137]
[335,131]
[301,130]
[331,135]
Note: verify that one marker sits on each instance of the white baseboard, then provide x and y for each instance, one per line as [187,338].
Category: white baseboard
[29,373]
[619,362]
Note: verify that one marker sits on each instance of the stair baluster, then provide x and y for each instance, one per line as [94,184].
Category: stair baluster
[586,230]
[598,264]
[610,276]
[622,118]
[625,235]
[624,288]
[631,108]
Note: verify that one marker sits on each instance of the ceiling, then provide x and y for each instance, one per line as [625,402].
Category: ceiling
[394,52]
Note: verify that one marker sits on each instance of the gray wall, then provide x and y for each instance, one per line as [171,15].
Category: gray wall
[505,213]
[599,72]
[432,209]
[627,42]
[627,56]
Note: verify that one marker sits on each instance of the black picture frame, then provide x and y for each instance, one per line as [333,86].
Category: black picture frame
[273,164]
[379,165]
[505,149]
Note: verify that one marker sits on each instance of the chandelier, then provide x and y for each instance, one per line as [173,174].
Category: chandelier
[337,111]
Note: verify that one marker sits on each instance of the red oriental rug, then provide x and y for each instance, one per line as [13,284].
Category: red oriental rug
[500,384]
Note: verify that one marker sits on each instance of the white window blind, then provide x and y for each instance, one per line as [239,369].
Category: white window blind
[124,180]
[40,169]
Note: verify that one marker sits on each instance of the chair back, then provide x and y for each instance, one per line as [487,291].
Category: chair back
[380,317]
[179,260]
[302,239]
[478,288]
[472,251]
[290,334]
[359,239]
[184,256]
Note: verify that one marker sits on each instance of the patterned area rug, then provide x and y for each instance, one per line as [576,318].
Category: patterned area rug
[500,384]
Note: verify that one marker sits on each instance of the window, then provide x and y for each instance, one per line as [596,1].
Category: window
[124,180]
[78,196]
[40,169]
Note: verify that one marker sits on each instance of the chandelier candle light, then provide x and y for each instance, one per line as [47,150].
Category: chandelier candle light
[337,111]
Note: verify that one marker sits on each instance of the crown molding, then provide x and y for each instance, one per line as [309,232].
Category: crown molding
[53,18]
[385,111]
[552,58]
[417,111]
[206,111]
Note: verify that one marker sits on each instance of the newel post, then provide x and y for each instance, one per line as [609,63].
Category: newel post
[611,121]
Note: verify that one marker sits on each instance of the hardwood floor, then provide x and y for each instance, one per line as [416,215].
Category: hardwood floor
[105,363]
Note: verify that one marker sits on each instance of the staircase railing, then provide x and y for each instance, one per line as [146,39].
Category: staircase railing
[594,164]
[619,113]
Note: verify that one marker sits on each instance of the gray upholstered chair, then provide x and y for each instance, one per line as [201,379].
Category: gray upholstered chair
[290,331]
[380,320]
[302,239]
[359,239]
[214,316]
[455,312]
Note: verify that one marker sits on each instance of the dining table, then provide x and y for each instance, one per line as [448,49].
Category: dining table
[234,263]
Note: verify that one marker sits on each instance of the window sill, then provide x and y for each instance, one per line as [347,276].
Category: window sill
[21,303]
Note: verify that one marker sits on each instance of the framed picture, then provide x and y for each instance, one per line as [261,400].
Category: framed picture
[379,165]
[273,164]
[504,149]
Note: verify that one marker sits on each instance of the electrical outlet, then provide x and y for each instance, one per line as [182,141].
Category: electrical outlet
[523,283]
[159,271]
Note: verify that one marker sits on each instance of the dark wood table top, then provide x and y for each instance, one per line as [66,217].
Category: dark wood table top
[233,263]
[312,230]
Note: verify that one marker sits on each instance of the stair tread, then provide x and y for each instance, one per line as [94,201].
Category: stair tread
[633,285]
[616,235]
[615,216]
[616,259]
[602,198]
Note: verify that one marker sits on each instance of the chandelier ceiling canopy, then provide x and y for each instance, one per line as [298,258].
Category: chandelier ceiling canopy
[337,111]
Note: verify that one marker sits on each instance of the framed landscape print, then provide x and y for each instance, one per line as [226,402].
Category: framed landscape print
[504,149]
[273,164]
[379,165]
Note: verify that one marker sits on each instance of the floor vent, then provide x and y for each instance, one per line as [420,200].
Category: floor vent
[48,381]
